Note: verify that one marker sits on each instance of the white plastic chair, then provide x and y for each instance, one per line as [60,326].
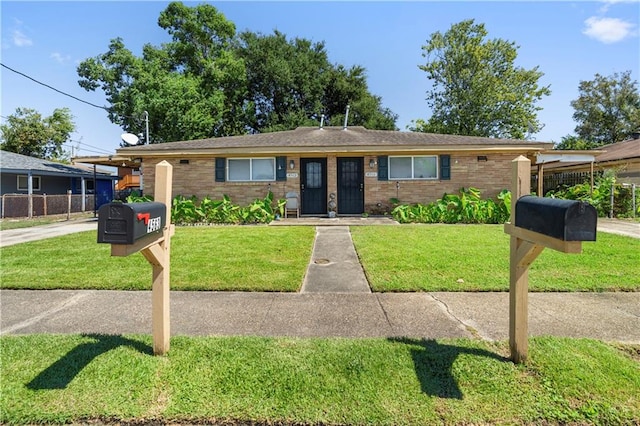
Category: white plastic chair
[292,204]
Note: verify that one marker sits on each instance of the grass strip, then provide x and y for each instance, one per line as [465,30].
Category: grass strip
[251,258]
[73,378]
[476,258]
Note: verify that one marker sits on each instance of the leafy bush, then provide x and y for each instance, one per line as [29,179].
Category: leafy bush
[186,211]
[135,197]
[600,198]
[467,207]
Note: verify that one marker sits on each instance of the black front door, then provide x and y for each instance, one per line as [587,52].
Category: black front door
[313,185]
[350,185]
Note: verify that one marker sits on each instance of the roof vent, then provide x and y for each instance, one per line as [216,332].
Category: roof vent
[321,121]
[346,118]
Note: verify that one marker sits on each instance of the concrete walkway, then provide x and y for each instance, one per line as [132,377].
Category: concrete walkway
[619,227]
[10,237]
[334,266]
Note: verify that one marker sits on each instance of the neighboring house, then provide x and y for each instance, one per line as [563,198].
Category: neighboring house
[23,175]
[361,169]
[621,157]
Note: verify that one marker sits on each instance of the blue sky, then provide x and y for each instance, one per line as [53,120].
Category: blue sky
[568,41]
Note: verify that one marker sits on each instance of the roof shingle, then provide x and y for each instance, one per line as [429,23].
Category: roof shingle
[328,137]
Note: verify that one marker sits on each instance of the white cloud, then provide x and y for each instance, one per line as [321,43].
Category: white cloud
[58,57]
[609,3]
[20,39]
[608,30]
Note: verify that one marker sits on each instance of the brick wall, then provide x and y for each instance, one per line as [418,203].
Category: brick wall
[491,177]
[197,178]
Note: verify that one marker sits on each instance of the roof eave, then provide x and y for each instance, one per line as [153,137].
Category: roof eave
[339,149]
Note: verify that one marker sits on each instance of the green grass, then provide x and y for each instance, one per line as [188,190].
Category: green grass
[6,224]
[435,257]
[261,258]
[71,378]
[9,223]
[252,258]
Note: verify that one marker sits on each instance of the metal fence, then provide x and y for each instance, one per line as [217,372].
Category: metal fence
[23,205]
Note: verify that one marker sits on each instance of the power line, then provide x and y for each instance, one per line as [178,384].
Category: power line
[54,89]
[100,151]
[86,144]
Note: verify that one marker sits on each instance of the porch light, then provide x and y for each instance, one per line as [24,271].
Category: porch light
[292,164]
[372,163]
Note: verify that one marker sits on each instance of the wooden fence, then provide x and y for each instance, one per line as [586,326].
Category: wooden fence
[555,181]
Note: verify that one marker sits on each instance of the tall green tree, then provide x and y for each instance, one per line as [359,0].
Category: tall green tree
[27,132]
[607,109]
[571,142]
[292,83]
[349,87]
[285,79]
[476,88]
[192,87]
[209,81]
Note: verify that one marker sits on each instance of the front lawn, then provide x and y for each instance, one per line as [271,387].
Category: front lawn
[250,258]
[436,257]
[71,378]
[261,258]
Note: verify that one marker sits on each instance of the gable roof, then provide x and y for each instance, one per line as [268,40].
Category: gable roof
[10,162]
[332,139]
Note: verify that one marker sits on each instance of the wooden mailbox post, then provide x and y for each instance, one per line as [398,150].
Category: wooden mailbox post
[537,223]
[155,246]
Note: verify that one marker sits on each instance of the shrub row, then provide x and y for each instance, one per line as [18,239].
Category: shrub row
[189,211]
[467,207]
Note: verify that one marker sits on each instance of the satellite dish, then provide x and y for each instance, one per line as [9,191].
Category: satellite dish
[129,139]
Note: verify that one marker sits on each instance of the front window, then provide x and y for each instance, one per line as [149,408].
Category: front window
[23,183]
[424,167]
[251,169]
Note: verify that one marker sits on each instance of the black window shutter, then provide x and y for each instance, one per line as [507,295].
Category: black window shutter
[445,167]
[281,168]
[221,163]
[383,167]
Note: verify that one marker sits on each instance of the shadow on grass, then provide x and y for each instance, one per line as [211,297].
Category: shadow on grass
[433,363]
[59,374]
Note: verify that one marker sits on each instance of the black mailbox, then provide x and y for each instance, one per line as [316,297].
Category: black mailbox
[125,223]
[567,220]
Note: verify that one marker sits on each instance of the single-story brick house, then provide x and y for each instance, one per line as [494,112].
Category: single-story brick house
[360,169]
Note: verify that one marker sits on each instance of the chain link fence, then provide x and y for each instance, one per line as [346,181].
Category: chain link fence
[23,205]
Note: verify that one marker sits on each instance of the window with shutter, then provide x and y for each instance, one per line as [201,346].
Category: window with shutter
[383,167]
[445,167]
[221,163]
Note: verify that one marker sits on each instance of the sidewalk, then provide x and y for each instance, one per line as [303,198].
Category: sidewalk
[335,301]
[604,316]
